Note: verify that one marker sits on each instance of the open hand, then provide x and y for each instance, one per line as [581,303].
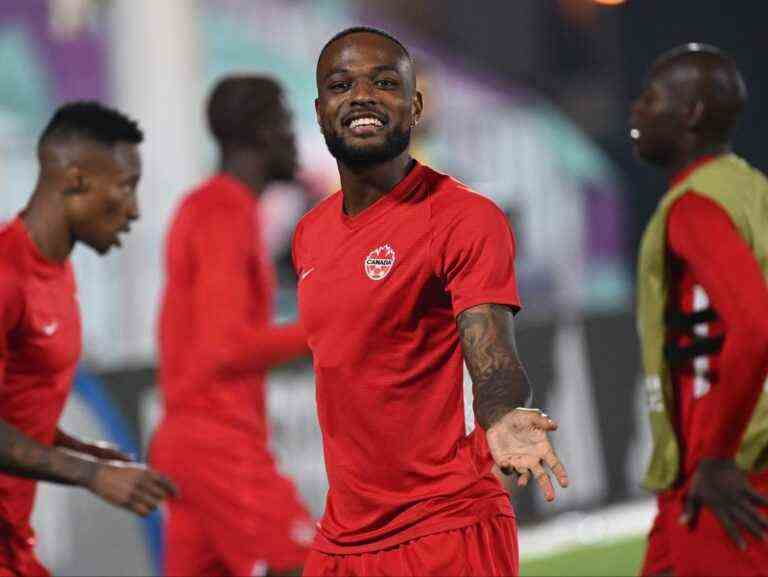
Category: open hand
[518,443]
[720,485]
[131,486]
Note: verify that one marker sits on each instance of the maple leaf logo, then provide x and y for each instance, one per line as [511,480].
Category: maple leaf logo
[379,262]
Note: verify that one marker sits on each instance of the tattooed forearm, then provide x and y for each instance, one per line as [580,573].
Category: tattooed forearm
[499,380]
[24,457]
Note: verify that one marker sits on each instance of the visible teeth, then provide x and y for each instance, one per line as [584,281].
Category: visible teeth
[367,121]
[634,134]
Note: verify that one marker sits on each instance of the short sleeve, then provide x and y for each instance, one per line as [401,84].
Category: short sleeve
[474,255]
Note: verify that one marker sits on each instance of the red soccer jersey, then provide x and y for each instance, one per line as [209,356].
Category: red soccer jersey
[713,267]
[216,336]
[39,348]
[378,295]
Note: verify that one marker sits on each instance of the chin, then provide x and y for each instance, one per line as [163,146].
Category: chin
[650,157]
[99,248]
[286,175]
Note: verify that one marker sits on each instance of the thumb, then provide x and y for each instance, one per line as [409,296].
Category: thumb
[690,513]
[545,423]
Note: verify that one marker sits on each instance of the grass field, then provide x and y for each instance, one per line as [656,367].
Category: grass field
[619,558]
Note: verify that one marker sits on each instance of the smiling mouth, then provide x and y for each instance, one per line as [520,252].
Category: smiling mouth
[365,125]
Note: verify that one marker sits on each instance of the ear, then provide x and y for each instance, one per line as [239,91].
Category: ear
[696,114]
[317,112]
[417,107]
[76,182]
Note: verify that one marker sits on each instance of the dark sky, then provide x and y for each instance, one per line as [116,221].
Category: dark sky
[530,42]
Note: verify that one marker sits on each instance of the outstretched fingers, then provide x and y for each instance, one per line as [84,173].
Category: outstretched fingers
[545,483]
[756,497]
[553,462]
[729,524]
[164,484]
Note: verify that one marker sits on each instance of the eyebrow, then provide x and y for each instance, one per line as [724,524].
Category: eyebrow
[377,70]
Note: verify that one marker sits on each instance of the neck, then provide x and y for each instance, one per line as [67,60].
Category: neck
[246,166]
[693,154]
[364,186]
[45,219]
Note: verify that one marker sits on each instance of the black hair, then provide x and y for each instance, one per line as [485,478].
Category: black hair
[368,30]
[695,48]
[91,120]
[720,84]
[239,105]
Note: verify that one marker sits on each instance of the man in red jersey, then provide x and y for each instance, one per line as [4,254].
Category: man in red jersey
[236,515]
[401,272]
[703,318]
[86,192]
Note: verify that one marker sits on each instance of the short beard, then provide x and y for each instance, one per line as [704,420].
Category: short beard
[355,157]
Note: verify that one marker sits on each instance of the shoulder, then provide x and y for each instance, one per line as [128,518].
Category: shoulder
[451,200]
[209,205]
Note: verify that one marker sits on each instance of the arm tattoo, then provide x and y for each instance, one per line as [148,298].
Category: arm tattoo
[25,457]
[499,380]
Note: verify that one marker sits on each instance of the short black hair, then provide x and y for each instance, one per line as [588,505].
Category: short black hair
[368,30]
[241,105]
[92,121]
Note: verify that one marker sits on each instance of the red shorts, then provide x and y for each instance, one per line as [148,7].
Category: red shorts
[17,554]
[485,548]
[235,515]
[674,549]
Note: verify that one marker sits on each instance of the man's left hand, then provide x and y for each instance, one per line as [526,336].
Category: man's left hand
[518,443]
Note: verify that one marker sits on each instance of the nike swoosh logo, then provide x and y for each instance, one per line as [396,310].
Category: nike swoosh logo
[51,328]
[306,273]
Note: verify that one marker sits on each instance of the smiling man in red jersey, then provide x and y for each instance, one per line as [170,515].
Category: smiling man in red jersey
[86,192]
[236,515]
[404,274]
[703,321]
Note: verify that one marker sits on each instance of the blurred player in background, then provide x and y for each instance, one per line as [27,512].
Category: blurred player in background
[398,272]
[86,192]
[236,515]
[703,320]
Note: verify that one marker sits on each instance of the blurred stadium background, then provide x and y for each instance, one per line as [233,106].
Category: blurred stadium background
[526,101]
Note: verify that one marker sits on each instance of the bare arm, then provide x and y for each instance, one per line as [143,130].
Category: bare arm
[127,485]
[517,436]
[499,380]
[25,457]
[99,449]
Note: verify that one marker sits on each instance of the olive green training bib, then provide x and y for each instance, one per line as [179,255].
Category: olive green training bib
[742,192]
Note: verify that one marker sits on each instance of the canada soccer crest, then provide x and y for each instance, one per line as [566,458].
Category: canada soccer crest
[379,262]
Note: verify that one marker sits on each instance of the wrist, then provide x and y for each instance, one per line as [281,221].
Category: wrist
[91,471]
[521,412]
[82,469]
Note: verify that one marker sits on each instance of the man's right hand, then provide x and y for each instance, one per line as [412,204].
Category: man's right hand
[131,486]
[722,487]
